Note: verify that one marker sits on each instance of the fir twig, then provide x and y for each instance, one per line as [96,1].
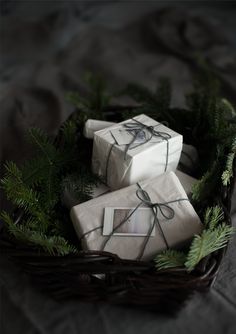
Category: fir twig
[206,243]
[170,259]
[54,245]
[228,172]
[215,236]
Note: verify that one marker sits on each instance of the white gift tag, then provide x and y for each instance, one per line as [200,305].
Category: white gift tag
[121,136]
[124,137]
[138,223]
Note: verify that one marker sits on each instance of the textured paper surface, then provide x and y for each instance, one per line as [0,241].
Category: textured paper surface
[140,163]
[163,188]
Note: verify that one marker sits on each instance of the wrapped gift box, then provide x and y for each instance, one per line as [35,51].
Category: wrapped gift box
[88,219]
[121,167]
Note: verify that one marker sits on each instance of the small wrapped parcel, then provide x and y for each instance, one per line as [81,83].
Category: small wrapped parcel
[135,150]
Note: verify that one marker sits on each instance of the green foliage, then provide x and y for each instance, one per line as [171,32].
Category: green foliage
[213,216]
[170,259]
[228,172]
[215,236]
[80,184]
[54,245]
[204,188]
[229,109]
[69,133]
[36,187]
[206,243]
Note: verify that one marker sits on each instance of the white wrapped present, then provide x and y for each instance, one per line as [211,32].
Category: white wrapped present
[147,229]
[134,150]
[93,125]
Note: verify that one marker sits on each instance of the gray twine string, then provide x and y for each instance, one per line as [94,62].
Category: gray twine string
[155,207]
[136,129]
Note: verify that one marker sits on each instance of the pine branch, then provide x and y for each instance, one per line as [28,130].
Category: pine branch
[80,185]
[204,187]
[228,108]
[170,259]
[228,172]
[215,236]
[33,171]
[213,216]
[69,133]
[16,190]
[206,243]
[53,245]
[42,143]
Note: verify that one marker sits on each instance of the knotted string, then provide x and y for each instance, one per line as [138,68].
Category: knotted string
[137,130]
[163,208]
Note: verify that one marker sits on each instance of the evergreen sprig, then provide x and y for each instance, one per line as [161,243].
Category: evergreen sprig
[170,259]
[228,172]
[80,185]
[206,243]
[36,188]
[215,236]
[53,245]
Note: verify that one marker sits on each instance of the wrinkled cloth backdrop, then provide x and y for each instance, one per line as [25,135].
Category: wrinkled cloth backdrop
[45,51]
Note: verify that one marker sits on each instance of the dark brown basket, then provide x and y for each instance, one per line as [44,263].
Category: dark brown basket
[102,276]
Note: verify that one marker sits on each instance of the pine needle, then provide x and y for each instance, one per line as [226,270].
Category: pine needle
[170,259]
[215,236]
[206,243]
[213,216]
[228,172]
[54,245]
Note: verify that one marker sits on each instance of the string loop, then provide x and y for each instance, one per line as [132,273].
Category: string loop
[136,129]
[164,208]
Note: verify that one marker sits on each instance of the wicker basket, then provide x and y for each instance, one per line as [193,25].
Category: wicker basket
[102,276]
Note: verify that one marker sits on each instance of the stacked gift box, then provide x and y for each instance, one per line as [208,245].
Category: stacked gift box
[144,206]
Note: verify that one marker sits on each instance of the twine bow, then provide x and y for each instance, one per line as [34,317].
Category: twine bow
[164,208]
[137,131]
